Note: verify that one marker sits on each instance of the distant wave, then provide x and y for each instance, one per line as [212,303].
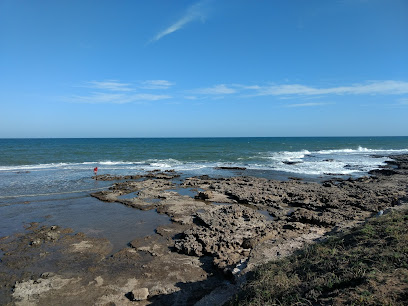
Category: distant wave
[339,161]
[146,165]
[33,167]
[360,150]
[51,166]
[287,155]
[299,155]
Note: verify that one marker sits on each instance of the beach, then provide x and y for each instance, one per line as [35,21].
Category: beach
[214,230]
[203,153]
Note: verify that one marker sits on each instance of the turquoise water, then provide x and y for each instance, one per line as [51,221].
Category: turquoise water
[145,151]
[43,166]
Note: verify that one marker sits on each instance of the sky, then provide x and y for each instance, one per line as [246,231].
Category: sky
[209,68]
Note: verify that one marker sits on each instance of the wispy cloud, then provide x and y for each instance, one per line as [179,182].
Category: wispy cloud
[221,89]
[116,92]
[113,85]
[117,98]
[156,84]
[194,12]
[311,104]
[288,91]
[403,101]
[191,97]
[370,88]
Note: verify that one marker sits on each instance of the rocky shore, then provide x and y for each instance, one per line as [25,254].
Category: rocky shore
[222,228]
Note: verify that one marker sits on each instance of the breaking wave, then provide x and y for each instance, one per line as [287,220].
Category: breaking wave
[307,162]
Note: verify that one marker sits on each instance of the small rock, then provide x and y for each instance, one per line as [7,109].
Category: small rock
[35,242]
[47,274]
[203,195]
[291,162]
[52,235]
[139,294]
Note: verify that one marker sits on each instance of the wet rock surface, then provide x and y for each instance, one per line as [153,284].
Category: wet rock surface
[220,230]
[157,174]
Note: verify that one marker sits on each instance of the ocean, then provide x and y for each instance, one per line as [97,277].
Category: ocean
[49,180]
[46,166]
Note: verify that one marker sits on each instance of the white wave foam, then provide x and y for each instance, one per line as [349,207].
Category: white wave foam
[315,168]
[360,150]
[288,156]
[33,167]
[51,166]
[114,163]
[164,163]
[341,161]
[336,161]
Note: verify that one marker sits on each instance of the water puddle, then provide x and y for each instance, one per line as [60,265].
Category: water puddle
[290,211]
[266,214]
[153,201]
[118,223]
[219,203]
[129,196]
[190,192]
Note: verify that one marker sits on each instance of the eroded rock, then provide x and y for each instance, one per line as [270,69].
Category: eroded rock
[138,294]
[224,232]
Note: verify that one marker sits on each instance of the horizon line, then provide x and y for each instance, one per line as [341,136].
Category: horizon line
[195,137]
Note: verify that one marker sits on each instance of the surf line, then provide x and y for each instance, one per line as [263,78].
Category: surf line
[46,194]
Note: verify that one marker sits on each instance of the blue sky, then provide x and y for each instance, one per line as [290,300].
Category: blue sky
[203,68]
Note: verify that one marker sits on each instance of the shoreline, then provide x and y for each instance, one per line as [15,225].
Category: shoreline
[214,240]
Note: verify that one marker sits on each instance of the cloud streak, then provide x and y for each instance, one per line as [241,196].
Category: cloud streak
[113,85]
[403,101]
[371,88]
[286,91]
[221,89]
[311,104]
[156,84]
[116,92]
[193,13]
[117,98]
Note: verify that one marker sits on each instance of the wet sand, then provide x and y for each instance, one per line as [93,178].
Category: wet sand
[220,229]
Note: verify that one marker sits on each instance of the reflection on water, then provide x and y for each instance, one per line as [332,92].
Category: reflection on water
[266,214]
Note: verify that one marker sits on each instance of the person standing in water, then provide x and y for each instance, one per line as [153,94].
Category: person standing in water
[96,173]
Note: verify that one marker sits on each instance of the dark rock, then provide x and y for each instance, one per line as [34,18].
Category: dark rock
[230,168]
[203,195]
[139,294]
[385,172]
[295,178]
[291,162]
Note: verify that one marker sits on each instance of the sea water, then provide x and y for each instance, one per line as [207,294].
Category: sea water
[49,177]
[44,166]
